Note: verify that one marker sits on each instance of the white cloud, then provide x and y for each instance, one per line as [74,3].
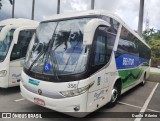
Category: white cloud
[74,5]
[127,10]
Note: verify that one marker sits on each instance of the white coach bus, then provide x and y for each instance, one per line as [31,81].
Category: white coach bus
[15,36]
[80,62]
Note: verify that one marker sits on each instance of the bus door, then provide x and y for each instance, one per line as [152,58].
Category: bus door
[18,55]
[97,93]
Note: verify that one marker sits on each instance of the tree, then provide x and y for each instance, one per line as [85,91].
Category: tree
[11,2]
[151,34]
[152,37]
[155,48]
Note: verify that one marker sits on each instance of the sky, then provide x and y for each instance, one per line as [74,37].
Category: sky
[128,10]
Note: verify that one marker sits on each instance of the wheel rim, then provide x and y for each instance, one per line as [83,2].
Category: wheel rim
[144,79]
[114,95]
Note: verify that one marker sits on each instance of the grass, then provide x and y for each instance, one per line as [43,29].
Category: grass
[154,72]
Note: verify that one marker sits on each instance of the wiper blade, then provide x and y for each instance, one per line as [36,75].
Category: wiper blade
[47,53]
[38,57]
[53,60]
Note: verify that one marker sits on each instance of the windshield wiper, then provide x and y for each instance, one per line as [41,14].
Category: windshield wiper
[39,56]
[47,51]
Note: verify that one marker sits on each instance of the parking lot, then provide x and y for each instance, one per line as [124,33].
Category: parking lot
[139,99]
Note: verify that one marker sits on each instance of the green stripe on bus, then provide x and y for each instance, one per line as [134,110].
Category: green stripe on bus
[130,76]
[34,83]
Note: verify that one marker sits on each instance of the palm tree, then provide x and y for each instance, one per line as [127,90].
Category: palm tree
[11,2]
[152,31]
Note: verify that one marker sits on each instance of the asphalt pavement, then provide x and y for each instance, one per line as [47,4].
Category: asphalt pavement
[139,99]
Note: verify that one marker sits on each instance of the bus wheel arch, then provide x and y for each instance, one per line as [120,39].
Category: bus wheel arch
[115,92]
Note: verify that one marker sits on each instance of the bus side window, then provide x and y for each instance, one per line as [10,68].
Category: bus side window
[20,49]
[110,43]
[100,50]
[127,44]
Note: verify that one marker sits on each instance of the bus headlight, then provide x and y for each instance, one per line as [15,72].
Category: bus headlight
[72,93]
[3,73]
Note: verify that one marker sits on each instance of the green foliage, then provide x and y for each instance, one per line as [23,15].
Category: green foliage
[152,37]
[155,48]
[151,34]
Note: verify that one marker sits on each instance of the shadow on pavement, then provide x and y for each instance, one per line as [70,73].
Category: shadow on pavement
[8,91]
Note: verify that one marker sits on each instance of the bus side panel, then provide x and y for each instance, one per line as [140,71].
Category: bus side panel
[131,68]
[97,94]
[4,80]
[100,93]
[15,73]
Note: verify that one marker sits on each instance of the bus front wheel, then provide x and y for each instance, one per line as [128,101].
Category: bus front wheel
[114,96]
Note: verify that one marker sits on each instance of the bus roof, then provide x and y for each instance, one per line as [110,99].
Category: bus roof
[19,22]
[95,12]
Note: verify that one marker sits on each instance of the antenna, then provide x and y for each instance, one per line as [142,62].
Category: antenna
[147,22]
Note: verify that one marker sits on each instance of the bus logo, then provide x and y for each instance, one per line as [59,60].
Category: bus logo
[34,82]
[39,91]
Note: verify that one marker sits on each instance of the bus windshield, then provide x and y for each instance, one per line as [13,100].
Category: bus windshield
[5,44]
[58,46]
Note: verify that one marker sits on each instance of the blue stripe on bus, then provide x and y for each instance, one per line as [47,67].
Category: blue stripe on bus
[126,61]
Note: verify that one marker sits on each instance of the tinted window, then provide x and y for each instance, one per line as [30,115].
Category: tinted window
[20,49]
[5,44]
[114,24]
[104,42]
[144,51]
[100,50]
[127,43]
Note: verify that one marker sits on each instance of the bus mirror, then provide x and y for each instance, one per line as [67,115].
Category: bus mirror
[90,28]
[17,32]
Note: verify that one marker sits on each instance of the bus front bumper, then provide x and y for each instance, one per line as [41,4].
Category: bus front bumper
[74,106]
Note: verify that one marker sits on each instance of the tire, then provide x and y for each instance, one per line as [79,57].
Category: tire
[114,96]
[144,79]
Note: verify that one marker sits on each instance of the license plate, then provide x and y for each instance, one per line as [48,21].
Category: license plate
[39,101]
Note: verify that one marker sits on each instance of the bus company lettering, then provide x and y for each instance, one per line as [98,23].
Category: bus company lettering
[128,61]
[99,95]
[16,75]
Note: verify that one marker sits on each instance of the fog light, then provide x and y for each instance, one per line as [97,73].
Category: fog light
[77,108]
